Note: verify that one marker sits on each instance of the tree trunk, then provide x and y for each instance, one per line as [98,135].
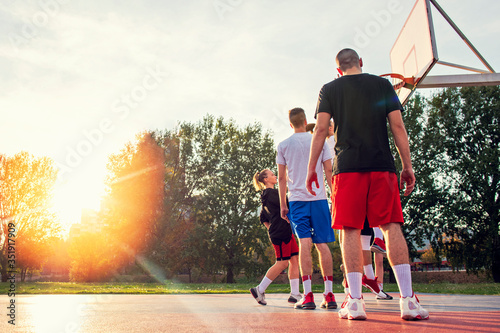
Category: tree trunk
[495,262]
[3,272]
[3,263]
[230,275]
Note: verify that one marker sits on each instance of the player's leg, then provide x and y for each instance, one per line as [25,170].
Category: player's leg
[323,234]
[353,260]
[301,222]
[272,273]
[369,280]
[305,261]
[379,272]
[353,306]
[386,211]
[294,273]
[379,268]
[378,245]
[349,212]
[397,253]
[326,263]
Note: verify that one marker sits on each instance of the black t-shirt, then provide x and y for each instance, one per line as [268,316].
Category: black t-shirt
[359,105]
[279,230]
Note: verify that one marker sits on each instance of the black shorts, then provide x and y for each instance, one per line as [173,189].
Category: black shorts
[366,231]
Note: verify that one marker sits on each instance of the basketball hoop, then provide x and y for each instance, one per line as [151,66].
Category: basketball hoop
[399,81]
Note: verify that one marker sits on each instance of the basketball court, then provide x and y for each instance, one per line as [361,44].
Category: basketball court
[413,56]
[240,313]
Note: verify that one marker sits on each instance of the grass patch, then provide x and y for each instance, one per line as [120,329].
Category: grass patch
[169,287]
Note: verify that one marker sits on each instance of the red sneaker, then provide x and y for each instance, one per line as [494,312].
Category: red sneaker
[378,246]
[306,303]
[328,301]
[371,284]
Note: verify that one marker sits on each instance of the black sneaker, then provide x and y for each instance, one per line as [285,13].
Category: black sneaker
[294,298]
[383,295]
[259,297]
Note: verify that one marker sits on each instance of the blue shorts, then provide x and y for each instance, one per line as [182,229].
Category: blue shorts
[311,219]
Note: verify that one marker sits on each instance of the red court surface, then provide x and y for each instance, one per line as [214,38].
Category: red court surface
[239,313]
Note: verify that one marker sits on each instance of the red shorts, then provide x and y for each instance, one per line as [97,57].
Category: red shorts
[359,195]
[285,251]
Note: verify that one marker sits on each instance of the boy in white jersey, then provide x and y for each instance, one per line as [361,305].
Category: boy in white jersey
[309,214]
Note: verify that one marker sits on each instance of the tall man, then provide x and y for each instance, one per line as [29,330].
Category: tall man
[309,215]
[365,183]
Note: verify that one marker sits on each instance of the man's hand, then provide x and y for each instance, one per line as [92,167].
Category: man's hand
[311,177]
[284,212]
[407,177]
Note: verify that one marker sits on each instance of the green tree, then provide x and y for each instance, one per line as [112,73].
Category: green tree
[455,144]
[92,258]
[26,189]
[467,121]
[175,247]
[134,198]
[422,209]
[222,160]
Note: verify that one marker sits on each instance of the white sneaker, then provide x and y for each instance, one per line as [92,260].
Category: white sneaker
[353,308]
[411,309]
[294,298]
[383,295]
[259,297]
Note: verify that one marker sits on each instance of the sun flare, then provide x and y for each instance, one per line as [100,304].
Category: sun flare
[71,197]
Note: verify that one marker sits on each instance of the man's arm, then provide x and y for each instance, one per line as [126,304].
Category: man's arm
[327,167]
[282,191]
[318,140]
[401,140]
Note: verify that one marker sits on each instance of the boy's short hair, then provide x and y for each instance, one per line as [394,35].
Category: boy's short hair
[297,117]
[347,58]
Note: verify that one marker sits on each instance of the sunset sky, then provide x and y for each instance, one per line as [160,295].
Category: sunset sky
[81,78]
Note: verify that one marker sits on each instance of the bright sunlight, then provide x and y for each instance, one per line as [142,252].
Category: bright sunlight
[75,194]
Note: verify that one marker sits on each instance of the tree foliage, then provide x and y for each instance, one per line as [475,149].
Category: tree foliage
[26,190]
[194,207]
[218,160]
[92,258]
[174,234]
[134,197]
[455,142]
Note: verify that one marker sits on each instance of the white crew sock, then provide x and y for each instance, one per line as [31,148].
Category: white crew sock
[294,286]
[328,284]
[264,284]
[306,284]
[365,242]
[403,277]
[354,282]
[369,272]
[378,233]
